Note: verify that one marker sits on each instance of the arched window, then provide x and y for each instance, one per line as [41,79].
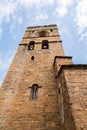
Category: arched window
[34,89]
[31,45]
[45,44]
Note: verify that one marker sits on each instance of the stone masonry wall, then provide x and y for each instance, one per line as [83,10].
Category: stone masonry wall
[76,79]
[59,61]
[66,117]
[62,96]
[17,110]
[72,94]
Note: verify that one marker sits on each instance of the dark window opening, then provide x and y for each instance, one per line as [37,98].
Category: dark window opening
[34,91]
[51,30]
[33,31]
[45,44]
[31,45]
[32,58]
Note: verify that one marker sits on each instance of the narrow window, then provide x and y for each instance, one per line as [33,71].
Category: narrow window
[35,91]
[32,58]
[33,31]
[45,44]
[31,45]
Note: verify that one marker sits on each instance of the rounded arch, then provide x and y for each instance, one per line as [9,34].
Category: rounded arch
[35,85]
[43,33]
[34,89]
[45,44]
[31,45]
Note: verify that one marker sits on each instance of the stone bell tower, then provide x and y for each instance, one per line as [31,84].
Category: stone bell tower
[31,96]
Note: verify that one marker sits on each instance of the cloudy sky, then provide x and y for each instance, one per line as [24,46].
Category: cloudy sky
[69,15]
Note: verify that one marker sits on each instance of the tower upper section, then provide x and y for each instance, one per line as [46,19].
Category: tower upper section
[39,33]
[46,37]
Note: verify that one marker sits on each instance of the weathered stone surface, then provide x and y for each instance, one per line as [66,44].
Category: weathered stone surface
[61,103]
[17,110]
[72,81]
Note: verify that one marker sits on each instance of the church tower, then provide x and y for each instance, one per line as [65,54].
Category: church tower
[34,94]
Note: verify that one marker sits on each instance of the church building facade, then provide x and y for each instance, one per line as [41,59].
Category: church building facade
[43,89]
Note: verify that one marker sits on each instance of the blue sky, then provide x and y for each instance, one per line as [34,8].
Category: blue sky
[69,15]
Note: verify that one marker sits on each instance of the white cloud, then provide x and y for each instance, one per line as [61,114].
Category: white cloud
[13,9]
[41,16]
[65,31]
[81,16]
[60,12]
[29,3]
[83,37]
[6,11]
[16,20]
[62,8]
